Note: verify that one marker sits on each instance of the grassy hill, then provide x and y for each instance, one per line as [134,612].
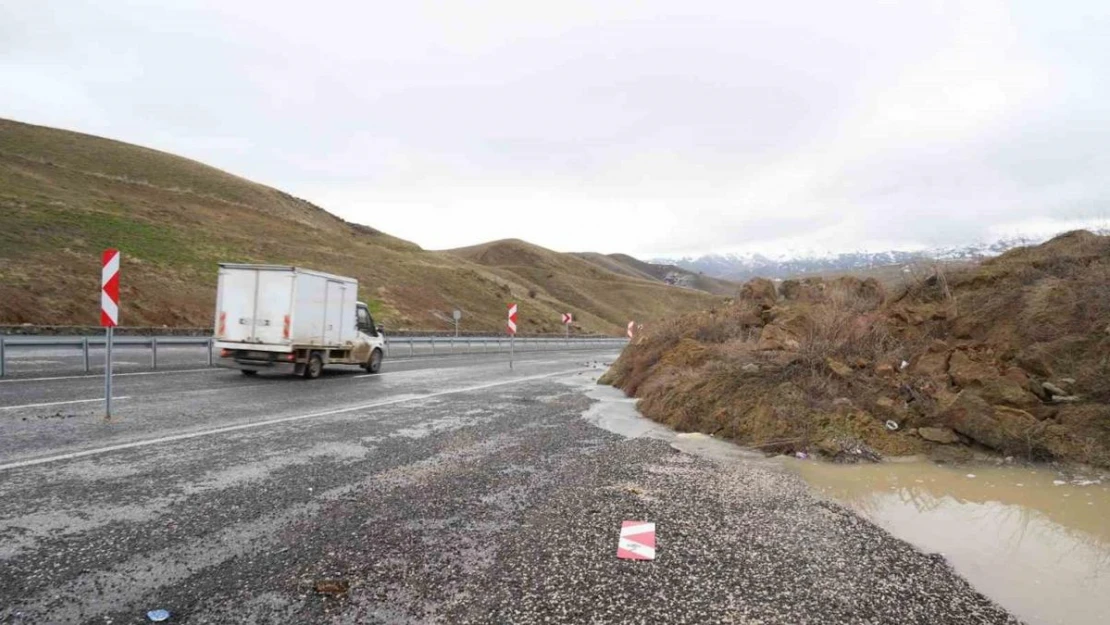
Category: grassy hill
[595,294]
[65,196]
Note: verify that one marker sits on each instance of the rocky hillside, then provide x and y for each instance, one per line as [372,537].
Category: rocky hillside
[65,196]
[1010,356]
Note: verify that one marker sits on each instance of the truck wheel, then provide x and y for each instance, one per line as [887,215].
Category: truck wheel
[374,365]
[314,368]
[248,372]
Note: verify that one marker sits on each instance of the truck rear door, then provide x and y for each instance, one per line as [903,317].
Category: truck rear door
[272,321]
[253,305]
[235,308]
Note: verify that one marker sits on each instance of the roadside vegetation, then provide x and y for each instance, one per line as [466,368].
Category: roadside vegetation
[1010,356]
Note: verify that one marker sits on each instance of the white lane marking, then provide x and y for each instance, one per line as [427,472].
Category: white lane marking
[61,403]
[258,424]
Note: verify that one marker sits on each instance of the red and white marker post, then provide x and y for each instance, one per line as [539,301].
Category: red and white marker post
[109,317]
[510,326]
[567,320]
[631,328]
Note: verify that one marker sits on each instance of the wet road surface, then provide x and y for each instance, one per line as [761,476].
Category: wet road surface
[439,492]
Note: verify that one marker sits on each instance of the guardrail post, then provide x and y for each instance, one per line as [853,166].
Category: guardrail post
[85,348]
[433,346]
[1,356]
[412,348]
[211,346]
[468,344]
[153,352]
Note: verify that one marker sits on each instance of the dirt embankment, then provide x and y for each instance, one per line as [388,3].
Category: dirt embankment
[1012,355]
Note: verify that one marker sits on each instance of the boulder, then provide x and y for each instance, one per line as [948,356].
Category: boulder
[966,372]
[759,291]
[807,290]
[1013,419]
[1034,363]
[998,427]
[1007,392]
[884,368]
[1018,376]
[938,347]
[785,331]
[930,364]
[750,367]
[969,373]
[944,436]
[777,338]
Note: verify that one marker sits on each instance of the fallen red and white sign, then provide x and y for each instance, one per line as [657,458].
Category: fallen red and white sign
[567,318]
[637,541]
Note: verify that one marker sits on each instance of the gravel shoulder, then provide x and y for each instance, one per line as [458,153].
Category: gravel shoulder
[492,506]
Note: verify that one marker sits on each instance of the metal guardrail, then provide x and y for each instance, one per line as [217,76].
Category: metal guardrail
[83,343]
[483,345]
[410,346]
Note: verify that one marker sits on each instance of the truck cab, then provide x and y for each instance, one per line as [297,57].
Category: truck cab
[370,347]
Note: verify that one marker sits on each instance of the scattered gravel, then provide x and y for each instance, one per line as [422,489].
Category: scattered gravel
[494,506]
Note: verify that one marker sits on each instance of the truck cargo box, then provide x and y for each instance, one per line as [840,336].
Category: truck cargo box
[277,307]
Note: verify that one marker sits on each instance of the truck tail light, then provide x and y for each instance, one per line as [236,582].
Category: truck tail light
[225,353]
[223,324]
[290,357]
[285,327]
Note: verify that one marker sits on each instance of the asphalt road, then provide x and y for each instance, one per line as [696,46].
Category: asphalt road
[448,490]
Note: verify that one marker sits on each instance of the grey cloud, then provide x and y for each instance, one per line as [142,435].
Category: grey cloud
[670,128]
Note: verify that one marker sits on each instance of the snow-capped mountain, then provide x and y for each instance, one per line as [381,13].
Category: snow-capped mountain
[744,266]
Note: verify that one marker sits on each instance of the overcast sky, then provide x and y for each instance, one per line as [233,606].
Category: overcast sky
[649,127]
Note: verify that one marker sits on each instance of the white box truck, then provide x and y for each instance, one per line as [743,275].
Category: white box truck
[292,320]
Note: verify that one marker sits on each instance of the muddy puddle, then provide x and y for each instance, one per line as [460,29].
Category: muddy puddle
[1032,539]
